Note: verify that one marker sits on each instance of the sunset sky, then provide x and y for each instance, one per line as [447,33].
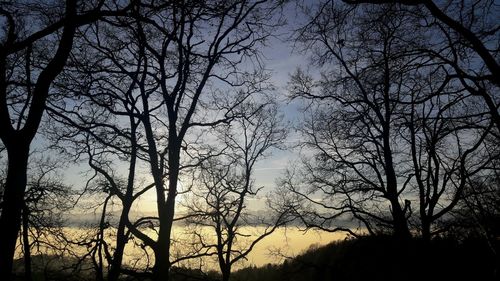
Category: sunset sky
[147,139]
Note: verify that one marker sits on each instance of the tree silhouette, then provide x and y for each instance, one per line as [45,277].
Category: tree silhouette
[352,125]
[176,71]
[101,124]
[170,101]
[189,48]
[46,200]
[463,37]
[226,185]
[24,90]
[387,124]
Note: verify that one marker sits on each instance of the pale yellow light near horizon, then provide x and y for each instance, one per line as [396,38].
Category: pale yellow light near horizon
[284,242]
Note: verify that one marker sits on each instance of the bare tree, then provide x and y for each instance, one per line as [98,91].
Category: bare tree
[388,125]
[351,124]
[446,137]
[466,38]
[476,215]
[47,199]
[102,126]
[227,185]
[192,49]
[25,82]
[183,68]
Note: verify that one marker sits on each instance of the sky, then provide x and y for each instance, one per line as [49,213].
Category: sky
[281,58]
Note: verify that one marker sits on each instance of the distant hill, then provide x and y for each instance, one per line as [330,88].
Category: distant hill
[382,258]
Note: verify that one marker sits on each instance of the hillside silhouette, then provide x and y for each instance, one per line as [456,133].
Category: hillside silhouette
[383,258]
[365,258]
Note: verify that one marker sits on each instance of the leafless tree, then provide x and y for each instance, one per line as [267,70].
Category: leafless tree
[101,124]
[185,67]
[37,39]
[465,38]
[227,186]
[194,51]
[476,215]
[351,125]
[47,198]
[384,125]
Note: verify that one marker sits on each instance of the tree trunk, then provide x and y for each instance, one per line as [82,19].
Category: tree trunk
[121,241]
[401,230]
[426,229]
[161,267]
[26,245]
[162,264]
[13,201]
[226,272]
[162,252]
[166,215]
